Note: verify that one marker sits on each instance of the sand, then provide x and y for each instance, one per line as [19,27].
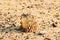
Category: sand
[46,14]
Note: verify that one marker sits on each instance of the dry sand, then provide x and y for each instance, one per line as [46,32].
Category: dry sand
[45,12]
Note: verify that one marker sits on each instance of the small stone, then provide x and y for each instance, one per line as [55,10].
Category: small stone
[47,39]
[54,25]
[43,31]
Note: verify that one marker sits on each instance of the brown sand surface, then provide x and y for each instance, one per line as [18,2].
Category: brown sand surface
[39,19]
